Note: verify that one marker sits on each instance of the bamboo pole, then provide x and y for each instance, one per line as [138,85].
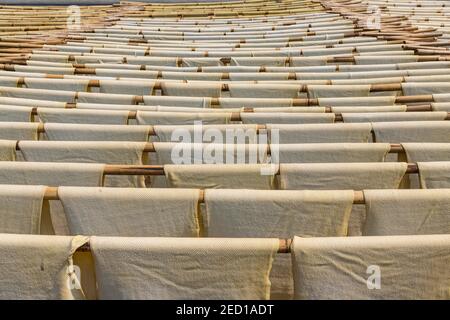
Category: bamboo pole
[283,247]
[158,170]
[51,193]
[225,87]
[236,116]
[149,147]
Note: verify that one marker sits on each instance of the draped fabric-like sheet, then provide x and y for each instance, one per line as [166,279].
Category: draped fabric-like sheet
[357,101]
[330,91]
[8,150]
[93,97]
[148,75]
[45,69]
[38,94]
[371,109]
[44,263]
[131,212]
[443,106]
[262,90]
[290,110]
[258,61]
[83,116]
[407,212]
[181,118]
[208,153]
[418,88]
[82,59]
[308,61]
[256,102]
[280,214]
[394,116]
[53,175]
[286,118]
[232,133]
[429,78]
[32,103]
[326,51]
[57,84]
[50,58]
[109,152]
[214,268]
[168,109]
[262,76]
[434,175]
[201,76]
[137,88]
[318,133]
[95,132]
[193,102]
[221,176]
[191,89]
[8,81]
[156,61]
[15,113]
[19,130]
[116,107]
[65,70]
[343,176]
[21,208]
[329,152]
[412,131]
[204,153]
[202,62]
[425,152]
[370,60]
[411,267]
[367,68]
